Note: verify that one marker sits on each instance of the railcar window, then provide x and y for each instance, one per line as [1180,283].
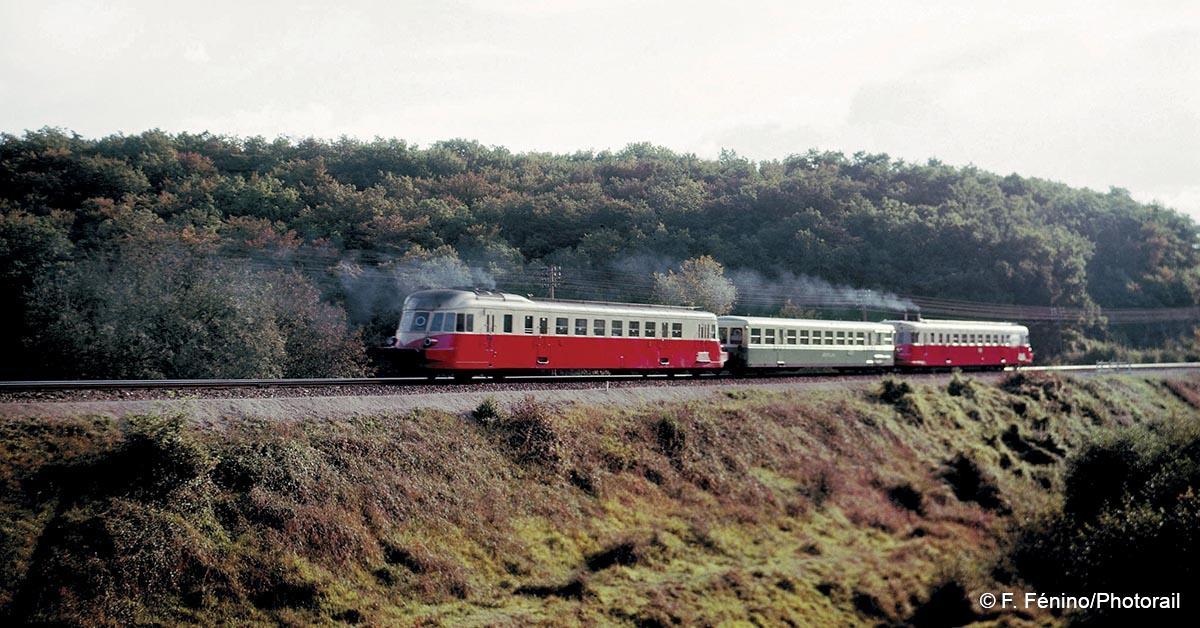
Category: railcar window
[617,328]
[508,323]
[735,336]
[581,327]
[770,336]
[791,336]
[677,330]
[462,323]
[470,322]
[860,337]
[723,335]
[597,327]
[529,324]
[635,329]
[841,338]
[419,321]
[543,325]
[435,324]
[560,326]
[755,335]
[828,337]
[650,329]
[804,337]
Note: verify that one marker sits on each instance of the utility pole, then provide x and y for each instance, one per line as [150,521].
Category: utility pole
[553,276]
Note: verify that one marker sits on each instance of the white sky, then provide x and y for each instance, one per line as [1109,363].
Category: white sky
[1093,94]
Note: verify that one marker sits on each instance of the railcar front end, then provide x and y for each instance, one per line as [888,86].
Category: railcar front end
[480,331]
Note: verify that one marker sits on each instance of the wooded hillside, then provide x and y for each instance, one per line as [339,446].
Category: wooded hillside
[204,255]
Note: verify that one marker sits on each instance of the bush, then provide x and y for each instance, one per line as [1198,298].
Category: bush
[529,431]
[1130,520]
[892,390]
[960,386]
[487,412]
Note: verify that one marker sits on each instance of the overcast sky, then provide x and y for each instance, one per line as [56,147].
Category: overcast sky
[1092,93]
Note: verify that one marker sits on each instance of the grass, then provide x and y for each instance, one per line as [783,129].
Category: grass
[836,507]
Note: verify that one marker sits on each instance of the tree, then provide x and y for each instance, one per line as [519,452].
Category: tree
[701,282]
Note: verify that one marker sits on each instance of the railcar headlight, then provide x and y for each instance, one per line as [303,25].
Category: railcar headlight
[429,342]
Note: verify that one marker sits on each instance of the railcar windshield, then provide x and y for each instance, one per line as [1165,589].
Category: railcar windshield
[414,321]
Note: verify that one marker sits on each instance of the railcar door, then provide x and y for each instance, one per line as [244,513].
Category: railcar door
[489,335]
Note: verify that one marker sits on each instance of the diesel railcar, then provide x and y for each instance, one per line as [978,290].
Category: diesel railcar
[757,344]
[464,332]
[924,344]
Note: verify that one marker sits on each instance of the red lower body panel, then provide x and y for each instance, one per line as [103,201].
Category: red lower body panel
[481,352]
[947,355]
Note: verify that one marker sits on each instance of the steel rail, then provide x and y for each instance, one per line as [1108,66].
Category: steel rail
[111,384]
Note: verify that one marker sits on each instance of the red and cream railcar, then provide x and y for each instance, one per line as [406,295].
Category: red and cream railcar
[963,344]
[479,331]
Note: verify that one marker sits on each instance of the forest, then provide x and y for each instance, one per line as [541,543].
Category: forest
[202,255]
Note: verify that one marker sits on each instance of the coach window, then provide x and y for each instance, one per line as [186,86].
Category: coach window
[560,326]
[461,324]
[677,330]
[436,323]
[723,335]
[597,327]
[770,336]
[470,322]
[791,336]
[581,327]
[755,335]
[543,325]
[841,338]
[635,329]
[649,329]
[529,324]
[735,336]
[617,328]
[508,323]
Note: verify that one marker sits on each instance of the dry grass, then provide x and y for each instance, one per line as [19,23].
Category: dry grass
[835,507]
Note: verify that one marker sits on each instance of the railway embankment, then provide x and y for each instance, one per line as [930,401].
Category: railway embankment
[888,501]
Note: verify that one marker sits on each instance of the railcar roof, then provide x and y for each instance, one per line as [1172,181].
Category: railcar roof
[808,323]
[454,298]
[929,323]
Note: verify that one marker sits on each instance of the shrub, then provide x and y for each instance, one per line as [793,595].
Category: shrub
[892,390]
[960,386]
[1130,520]
[487,412]
[529,432]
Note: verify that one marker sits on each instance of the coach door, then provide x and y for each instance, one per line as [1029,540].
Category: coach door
[489,334]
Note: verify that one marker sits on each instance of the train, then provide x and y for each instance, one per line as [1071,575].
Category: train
[465,332]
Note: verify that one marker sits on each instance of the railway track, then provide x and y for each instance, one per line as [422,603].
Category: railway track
[199,384]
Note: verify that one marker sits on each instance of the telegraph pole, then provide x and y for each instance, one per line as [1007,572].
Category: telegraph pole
[553,276]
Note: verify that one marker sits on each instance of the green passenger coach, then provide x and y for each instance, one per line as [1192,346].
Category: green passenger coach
[790,343]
